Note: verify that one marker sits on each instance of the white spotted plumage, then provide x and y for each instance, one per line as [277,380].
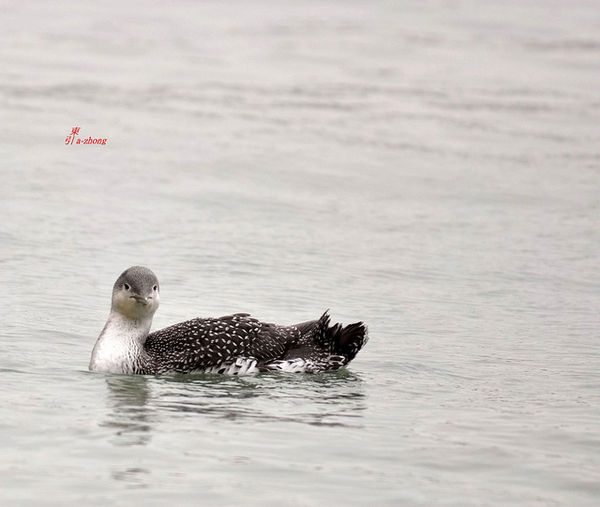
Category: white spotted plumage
[235,344]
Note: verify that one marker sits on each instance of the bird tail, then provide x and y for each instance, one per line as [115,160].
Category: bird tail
[342,340]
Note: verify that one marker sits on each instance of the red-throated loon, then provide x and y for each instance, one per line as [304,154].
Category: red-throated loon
[235,344]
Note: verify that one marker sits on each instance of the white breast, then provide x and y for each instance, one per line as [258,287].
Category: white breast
[119,346]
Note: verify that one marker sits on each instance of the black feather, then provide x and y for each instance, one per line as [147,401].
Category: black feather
[202,344]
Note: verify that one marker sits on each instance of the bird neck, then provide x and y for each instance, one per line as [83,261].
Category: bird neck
[120,346]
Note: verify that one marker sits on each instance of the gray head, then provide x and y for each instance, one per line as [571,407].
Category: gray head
[136,293]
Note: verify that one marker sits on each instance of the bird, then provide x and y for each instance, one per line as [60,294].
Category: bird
[235,344]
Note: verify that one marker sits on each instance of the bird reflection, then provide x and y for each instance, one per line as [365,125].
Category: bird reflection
[329,398]
[133,476]
[129,414]
[323,399]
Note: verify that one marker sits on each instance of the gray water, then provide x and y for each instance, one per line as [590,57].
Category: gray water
[431,168]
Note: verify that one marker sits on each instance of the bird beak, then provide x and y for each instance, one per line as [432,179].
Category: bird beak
[141,299]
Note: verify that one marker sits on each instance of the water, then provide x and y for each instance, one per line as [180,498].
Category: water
[432,169]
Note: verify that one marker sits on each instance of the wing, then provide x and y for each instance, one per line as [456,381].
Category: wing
[199,344]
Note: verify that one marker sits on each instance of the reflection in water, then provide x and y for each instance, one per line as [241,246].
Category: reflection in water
[129,414]
[331,399]
[326,399]
[139,406]
[134,477]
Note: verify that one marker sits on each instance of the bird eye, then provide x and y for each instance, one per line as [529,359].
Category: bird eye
[155,287]
[126,286]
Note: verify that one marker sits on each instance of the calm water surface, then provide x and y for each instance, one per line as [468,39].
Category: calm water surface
[432,169]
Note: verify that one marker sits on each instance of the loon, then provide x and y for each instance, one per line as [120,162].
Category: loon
[235,344]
